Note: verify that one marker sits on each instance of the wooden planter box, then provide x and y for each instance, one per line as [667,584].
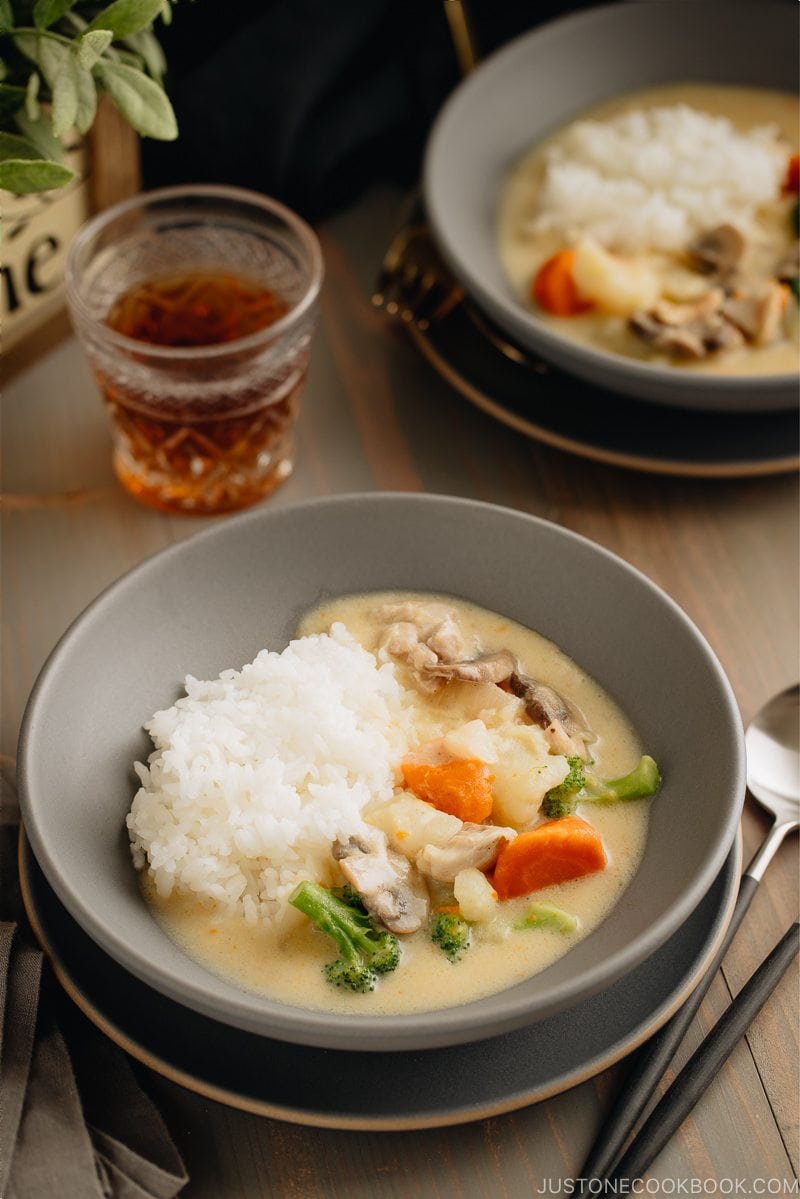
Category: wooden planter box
[37,230]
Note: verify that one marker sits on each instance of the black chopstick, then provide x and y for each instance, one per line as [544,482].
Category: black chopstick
[671,1111]
[652,1060]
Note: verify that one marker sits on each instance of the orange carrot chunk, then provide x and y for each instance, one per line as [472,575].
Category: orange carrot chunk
[462,787]
[552,853]
[554,286]
[792,180]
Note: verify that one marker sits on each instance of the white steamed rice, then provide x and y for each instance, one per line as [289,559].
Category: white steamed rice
[256,773]
[655,178]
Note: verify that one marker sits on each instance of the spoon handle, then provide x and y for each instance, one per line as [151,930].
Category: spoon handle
[672,1110]
[653,1059]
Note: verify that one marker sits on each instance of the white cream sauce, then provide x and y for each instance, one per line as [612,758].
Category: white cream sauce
[288,966]
[522,253]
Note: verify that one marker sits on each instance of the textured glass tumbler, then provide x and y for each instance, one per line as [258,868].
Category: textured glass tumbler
[198,426]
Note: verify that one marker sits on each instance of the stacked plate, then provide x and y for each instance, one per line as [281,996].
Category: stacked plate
[212,602]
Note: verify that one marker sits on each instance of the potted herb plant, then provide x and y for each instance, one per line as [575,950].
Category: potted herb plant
[56,56]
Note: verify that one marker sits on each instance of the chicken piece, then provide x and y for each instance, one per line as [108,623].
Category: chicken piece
[789,266]
[564,725]
[758,313]
[473,846]
[447,640]
[399,638]
[424,633]
[705,306]
[425,615]
[392,890]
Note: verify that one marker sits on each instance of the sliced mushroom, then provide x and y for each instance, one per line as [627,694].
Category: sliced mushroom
[669,339]
[564,725]
[688,330]
[486,668]
[392,890]
[474,845]
[718,251]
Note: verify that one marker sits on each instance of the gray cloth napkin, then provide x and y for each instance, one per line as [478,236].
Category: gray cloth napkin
[74,1120]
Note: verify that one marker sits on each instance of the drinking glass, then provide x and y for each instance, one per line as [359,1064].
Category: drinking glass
[196,307]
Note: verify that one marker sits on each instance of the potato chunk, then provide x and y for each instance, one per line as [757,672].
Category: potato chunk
[615,285]
[471,740]
[475,895]
[522,776]
[409,823]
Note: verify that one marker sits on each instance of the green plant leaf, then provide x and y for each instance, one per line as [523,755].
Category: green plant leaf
[65,103]
[93,46]
[87,100]
[140,100]
[28,44]
[32,108]
[6,16]
[124,17]
[59,66]
[53,57]
[11,97]
[40,133]
[22,176]
[12,146]
[147,48]
[47,12]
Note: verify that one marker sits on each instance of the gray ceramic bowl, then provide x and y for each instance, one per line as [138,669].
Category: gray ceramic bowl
[543,80]
[215,600]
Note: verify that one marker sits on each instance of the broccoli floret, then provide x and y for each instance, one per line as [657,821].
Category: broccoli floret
[582,787]
[545,915]
[349,895]
[562,799]
[452,934]
[365,951]
[639,783]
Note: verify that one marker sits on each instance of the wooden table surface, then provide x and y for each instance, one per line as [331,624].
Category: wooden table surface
[376,417]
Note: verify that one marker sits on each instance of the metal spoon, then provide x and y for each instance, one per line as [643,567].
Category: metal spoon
[772,743]
[773,771]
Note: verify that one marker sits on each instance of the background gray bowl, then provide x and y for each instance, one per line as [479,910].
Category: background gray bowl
[543,80]
[215,600]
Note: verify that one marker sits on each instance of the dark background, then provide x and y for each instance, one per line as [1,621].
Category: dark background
[311,101]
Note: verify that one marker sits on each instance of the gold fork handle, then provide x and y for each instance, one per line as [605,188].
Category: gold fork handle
[461,31]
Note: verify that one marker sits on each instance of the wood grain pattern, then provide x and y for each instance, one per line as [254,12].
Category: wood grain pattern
[375,416]
[116,160]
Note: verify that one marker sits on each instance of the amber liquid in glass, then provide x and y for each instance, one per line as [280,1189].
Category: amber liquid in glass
[199,459]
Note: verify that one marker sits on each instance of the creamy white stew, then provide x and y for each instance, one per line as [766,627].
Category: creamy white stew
[692,260]
[430,640]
